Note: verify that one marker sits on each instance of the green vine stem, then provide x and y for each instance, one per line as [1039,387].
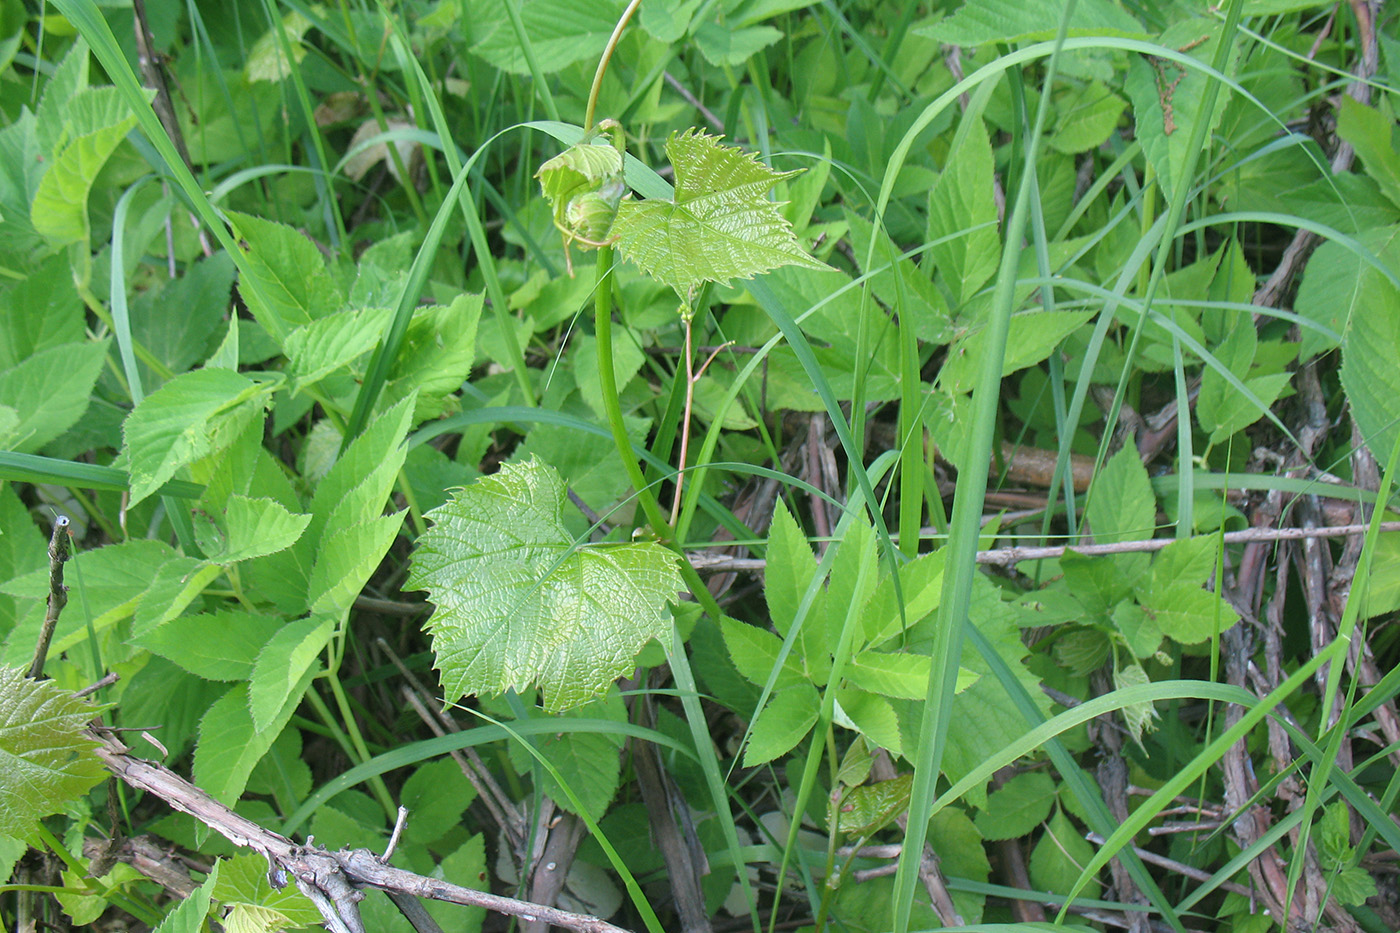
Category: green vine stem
[603,60]
[612,405]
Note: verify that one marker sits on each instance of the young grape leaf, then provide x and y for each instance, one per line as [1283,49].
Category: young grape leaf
[720,225]
[45,760]
[520,603]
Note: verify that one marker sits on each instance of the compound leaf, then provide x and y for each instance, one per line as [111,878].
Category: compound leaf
[520,603]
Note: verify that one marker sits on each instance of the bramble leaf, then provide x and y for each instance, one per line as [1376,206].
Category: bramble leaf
[48,393]
[1018,807]
[189,916]
[45,760]
[720,225]
[784,722]
[172,426]
[519,602]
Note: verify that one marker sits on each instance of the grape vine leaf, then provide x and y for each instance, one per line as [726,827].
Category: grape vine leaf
[720,225]
[519,602]
[45,760]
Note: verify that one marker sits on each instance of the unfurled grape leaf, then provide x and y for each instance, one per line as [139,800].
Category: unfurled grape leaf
[577,171]
[45,760]
[519,602]
[720,226]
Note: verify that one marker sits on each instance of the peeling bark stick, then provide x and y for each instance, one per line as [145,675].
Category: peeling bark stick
[331,879]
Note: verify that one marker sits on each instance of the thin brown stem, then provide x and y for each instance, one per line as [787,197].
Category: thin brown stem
[58,594]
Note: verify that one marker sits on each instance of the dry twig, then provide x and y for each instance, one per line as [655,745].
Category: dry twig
[332,880]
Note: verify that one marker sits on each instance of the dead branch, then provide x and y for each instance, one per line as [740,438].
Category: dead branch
[58,594]
[1012,555]
[333,880]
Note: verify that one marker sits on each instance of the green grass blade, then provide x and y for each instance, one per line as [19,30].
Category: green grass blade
[32,468]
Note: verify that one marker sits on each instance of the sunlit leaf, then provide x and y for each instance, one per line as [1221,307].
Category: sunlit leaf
[519,602]
[720,225]
[45,760]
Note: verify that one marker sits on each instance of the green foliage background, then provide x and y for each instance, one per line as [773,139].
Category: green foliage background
[289,331]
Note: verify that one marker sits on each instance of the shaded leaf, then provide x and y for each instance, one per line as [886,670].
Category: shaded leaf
[784,722]
[1059,857]
[215,646]
[188,916]
[588,762]
[754,652]
[53,312]
[229,744]
[962,213]
[1374,136]
[1087,116]
[1369,373]
[1017,807]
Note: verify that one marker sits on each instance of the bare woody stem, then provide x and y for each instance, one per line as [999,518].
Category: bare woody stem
[331,879]
[58,594]
[1012,555]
